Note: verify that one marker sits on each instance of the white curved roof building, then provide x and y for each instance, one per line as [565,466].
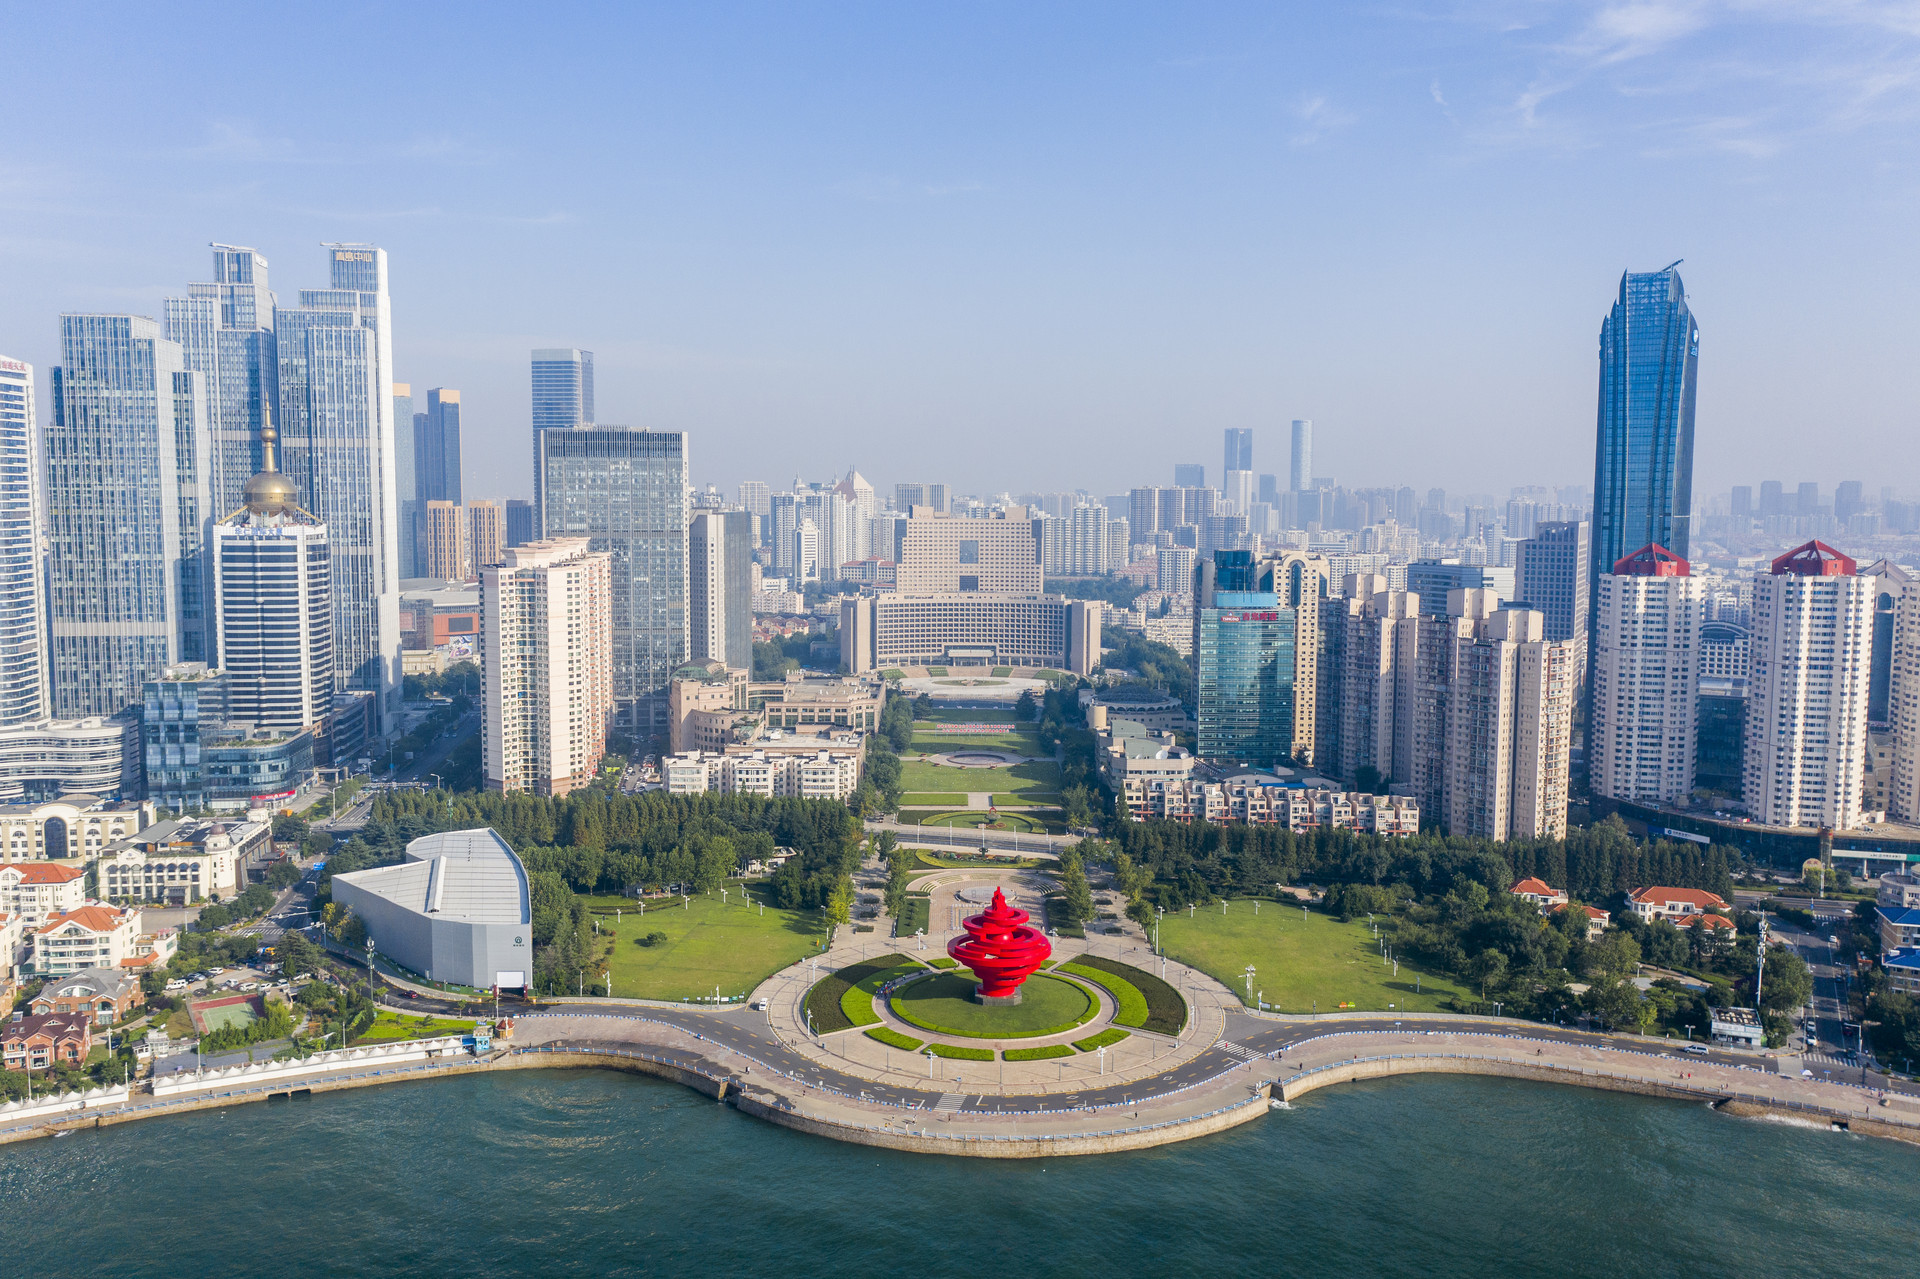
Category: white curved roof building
[458,909]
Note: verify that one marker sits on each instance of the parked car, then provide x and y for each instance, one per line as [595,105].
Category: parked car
[177,984]
[1698,1050]
[215,971]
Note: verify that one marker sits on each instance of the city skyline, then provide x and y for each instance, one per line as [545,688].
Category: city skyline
[1448,196]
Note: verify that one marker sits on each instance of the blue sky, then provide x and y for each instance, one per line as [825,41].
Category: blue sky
[1020,246]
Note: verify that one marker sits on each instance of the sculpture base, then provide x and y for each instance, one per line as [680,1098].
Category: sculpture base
[998,1001]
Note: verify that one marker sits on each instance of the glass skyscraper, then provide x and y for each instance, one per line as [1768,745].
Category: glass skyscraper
[1244,665]
[437,448]
[126,502]
[562,388]
[1643,459]
[626,490]
[224,328]
[23,602]
[1239,450]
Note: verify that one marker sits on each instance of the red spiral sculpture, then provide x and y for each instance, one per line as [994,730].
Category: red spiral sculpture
[1000,950]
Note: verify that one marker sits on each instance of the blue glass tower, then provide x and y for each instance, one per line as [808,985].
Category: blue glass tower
[1244,667]
[1643,458]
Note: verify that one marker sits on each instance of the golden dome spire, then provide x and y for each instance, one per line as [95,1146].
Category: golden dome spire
[269,492]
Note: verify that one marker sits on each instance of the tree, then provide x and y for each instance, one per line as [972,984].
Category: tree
[839,907]
[1489,970]
[1787,984]
[1615,955]
[1615,1001]
[214,917]
[296,954]
[282,875]
[1077,896]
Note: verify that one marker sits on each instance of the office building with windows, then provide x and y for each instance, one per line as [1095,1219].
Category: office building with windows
[1244,659]
[24,694]
[1550,574]
[562,388]
[437,448]
[1646,670]
[1643,456]
[337,446]
[942,554]
[1300,468]
[720,587]
[273,598]
[1806,749]
[126,501]
[626,491]
[1239,450]
[547,686]
[224,328]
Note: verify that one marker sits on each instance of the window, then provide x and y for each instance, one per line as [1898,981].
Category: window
[969,551]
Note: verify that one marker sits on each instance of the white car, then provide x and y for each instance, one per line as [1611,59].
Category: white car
[249,985]
[176,984]
[215,972]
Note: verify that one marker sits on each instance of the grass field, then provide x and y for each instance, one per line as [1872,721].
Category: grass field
[1019,741]
[946,1004]
[1038,777]
[976,818]
[389,1027]
[932,799]
[1001,672]
[967,715]
[733,946]
[1302,965]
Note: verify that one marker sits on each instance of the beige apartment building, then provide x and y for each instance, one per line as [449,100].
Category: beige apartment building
[547,682]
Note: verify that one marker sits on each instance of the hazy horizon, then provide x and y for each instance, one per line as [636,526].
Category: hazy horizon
[1028,249]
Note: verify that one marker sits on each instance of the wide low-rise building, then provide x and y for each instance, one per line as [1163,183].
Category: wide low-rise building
[103,995]
[180,862]
[1680,904]
[44,1040]
[794,768]
[1299,809]
[458,909]
[969,629]
[74,825]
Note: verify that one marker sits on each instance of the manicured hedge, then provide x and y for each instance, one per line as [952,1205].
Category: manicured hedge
[892,1038]
[1105,1039]
[857,1003]
[957,1053]
[1037,1054]
[913,915]
[1130,1006]
[1166,1011]
[823,1001]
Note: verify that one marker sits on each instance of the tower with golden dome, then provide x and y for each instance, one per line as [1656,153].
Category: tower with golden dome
[274,601]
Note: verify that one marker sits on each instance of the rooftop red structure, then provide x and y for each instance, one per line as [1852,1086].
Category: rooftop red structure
[1815,559]
[1652,560]
[998,948]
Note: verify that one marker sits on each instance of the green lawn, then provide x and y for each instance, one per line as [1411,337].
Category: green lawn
[966,715]
[1034,777]
[946,861]
[1039,797]
[733,946]
[1001,672]
[1020,741]
[976,818]
[1303,965]
[931,799]
[389,1028]
[945,1004]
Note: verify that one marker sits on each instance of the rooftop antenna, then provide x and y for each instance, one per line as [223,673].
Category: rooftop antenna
[1669,266]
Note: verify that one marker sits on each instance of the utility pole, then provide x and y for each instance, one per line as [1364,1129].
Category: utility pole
[1759,962]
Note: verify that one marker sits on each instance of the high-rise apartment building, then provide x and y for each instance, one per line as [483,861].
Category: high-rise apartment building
[1901,713]
[943,554]
[24,695]
[1643,457]
[443,542]
[438,448]
[486,530]
[1646,669]
[1377,646]
[548,680]
[126,501]
[626,490]
[720,588]
[1244,660]
[754,498]
[1509,729]
[803,560]
[1173,570]
[273,600]
[783,521]
[562,388]
[224,328]
[1189,475]
[1550,574]
[1806,754]
[1239,450]
[1143,512]
[1300,468]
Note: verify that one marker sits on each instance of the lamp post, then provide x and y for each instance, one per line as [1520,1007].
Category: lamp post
[1103,1059]
[608,978]
[1249,981]
[369,979]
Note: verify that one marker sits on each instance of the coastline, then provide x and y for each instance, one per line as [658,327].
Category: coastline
[1236,1096]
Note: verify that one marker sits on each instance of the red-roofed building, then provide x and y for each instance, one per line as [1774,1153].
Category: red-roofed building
[1712,923]
[1540,893]
[1597,919]
[93,936]
[40,1041]
[1813,559]
[1680,904]
[40,890]
[1652,560]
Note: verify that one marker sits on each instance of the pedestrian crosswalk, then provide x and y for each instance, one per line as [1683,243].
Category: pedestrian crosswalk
[950,1102]
[1240,1051]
